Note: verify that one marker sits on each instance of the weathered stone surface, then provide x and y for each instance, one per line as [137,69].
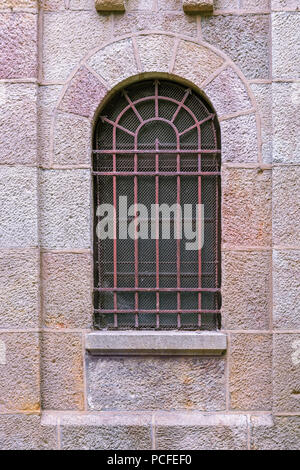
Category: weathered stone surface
[286,206]
[25,432]
[239,139]
[172,22]
[82,4]
[195,431]
[161,343]
[54,5]
[286,122]
[255,5]
[20,384]
[84,94]
[195,62]
[285,4]
[18,131]
[286,374]
[194,6]
[146,383]
[263,95]
[115,62]
[168,5]
[286,289]
[286,45]
[110,5]
[65,208]
[155,52]
[247,201]
[68,36]
[18,200]
[244,38]
[18,38]
[19,274]
[106,431]
[226,5]
[246,299]
[67,293]
[277,433]
[62,371]
[48,97]
[72,140]
[250,380]
[227,93]
[17,5]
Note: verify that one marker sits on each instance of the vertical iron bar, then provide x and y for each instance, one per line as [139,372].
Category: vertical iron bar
[157,230]
[199,238]
[178,243]
[136,242]
[115,240]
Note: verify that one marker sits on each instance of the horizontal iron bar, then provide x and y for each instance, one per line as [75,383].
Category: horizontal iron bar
[155,152]
[156,173]
[156,289]
[133,311]
[183,274]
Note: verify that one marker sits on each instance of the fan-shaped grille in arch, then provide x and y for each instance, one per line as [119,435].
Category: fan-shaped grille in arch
[157,142]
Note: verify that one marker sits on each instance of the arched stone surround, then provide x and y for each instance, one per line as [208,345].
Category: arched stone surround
[65,189]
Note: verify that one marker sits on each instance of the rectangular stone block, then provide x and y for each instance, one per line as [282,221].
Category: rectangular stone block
[286,122]
[26,432]
[239,146]
[18,202]
[250,380]
[62,371]
[286,289]
[244,38]
[226,5]
[275,433]
[286,374]
[147,383]
[17,5]
[168,5]
[247,207]
[106,431]
[174,22]
[255,5]
[65,208]
[20,372]
[246,290]
[19,288]
[196,431]
[68,36]
[18,53]
[67,290]
[72,141]
[263,96]
[155,52]
[18,124]
[286,206]
[285,4]
[286,44]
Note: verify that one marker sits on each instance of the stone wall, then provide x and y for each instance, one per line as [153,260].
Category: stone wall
[59,61]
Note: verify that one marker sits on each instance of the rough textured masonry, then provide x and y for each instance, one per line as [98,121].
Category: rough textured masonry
[59,60]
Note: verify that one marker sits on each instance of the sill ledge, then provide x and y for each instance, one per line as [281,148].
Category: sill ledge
[156,343]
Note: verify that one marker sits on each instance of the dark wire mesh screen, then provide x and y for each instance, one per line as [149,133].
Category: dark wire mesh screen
[157,143]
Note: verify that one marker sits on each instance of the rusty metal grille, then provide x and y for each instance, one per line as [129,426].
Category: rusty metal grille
[157,142]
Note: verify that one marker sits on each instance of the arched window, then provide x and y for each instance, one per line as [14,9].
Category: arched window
[156,165]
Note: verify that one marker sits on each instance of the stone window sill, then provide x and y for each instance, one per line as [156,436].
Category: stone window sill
[156,343]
